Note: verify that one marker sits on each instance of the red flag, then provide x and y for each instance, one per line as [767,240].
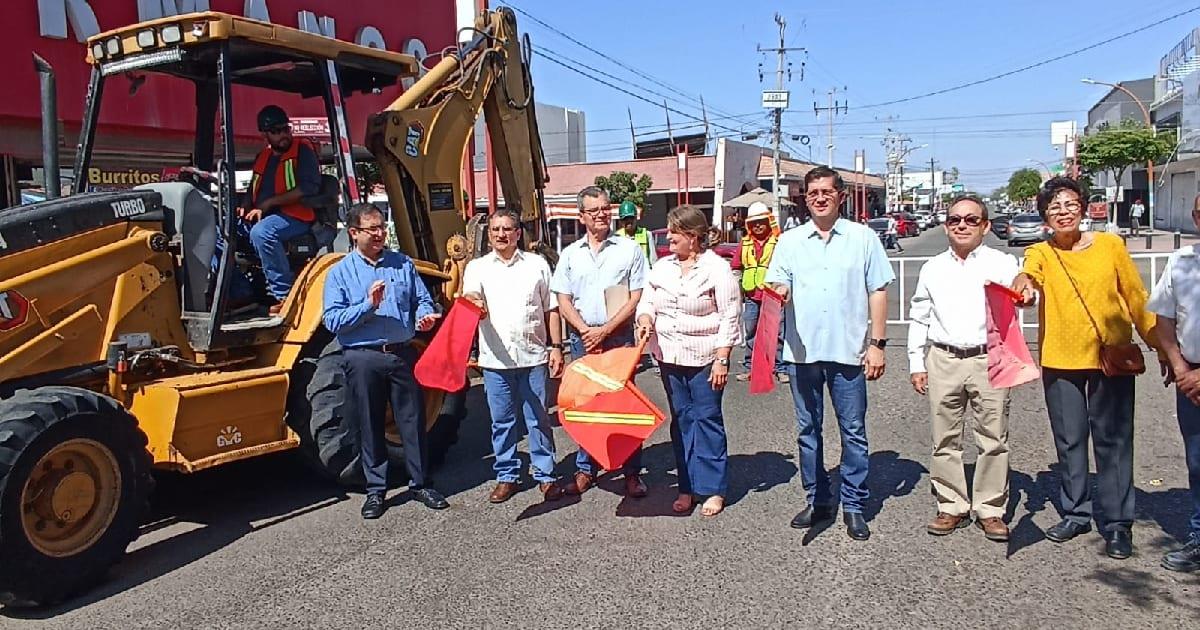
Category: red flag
[766,343]
[443,365]
[1009,361]
[612,425]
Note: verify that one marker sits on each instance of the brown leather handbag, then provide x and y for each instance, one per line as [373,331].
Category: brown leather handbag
[1122,359]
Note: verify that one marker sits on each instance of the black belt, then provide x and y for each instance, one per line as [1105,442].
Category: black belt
[389,348]
[961,353]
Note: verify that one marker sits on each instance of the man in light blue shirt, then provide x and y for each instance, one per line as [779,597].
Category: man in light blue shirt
[838,274]
[375,302]
[586,270]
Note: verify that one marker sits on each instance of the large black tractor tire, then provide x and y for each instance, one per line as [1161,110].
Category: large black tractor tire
[74,487]
[329,433]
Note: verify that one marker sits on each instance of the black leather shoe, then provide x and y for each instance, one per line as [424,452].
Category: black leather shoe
[856,526]
[1184,560]
[1118,544]
[431,498]
[1066,530]
[811,515]
[373,507]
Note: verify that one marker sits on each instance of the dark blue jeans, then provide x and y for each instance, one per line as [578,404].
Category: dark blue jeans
[620,339]
[750,310]
[1189,426]
[697,430]
[848,393]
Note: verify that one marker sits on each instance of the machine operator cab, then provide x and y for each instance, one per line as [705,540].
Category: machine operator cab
[230,66]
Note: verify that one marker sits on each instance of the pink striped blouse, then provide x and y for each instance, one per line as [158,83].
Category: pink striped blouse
[693,314]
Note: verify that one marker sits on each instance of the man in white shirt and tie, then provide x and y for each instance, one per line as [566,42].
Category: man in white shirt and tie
[947,352]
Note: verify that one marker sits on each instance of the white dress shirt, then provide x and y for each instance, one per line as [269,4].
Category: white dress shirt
[517,295]
[949,306]
[1177,296]
[693,313]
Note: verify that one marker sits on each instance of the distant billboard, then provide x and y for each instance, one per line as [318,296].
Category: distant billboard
[665,147]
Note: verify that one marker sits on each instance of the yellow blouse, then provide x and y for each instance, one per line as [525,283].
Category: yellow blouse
[1110,285]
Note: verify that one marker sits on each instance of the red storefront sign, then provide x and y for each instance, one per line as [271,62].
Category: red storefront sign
[53,28]
[310,127]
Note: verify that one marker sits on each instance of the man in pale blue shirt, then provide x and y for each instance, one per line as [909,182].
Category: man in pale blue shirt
[838,272]
[375,302]
[586,270]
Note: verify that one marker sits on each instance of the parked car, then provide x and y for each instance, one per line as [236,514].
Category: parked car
[728,251]
[925,220]
[1027,228]
[1000,225]
[906,224]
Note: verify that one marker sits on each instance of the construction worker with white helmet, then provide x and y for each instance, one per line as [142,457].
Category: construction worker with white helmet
[627,216]
[757,247]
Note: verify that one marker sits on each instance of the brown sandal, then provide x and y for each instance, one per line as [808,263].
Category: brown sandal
[683,504]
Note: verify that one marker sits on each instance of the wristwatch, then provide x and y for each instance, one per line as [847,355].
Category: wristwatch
[555,346]
[724,362]
[879,343]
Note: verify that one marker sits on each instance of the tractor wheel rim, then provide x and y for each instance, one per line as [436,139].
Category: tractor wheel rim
[71,497]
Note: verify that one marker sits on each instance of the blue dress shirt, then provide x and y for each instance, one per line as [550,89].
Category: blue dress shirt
[826,314]
[348,311]
[584,274]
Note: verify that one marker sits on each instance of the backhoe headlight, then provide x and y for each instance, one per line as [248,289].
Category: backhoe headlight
[112,46]
[172,34]
[146,39]
[98,51]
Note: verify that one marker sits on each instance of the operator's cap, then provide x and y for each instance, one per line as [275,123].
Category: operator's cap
[628,210]
[758,211]
[270,117]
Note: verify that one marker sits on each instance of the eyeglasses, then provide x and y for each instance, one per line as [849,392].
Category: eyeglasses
[1066,209]
[372,229]
[816,194]
[972,220]
[596,210]
[497,229]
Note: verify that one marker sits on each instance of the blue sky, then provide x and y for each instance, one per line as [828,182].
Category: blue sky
[878,51]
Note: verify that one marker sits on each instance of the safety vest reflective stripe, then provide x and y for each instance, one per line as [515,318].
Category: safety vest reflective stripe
[754,270]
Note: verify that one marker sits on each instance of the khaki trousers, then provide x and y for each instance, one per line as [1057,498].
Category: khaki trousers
[955,384]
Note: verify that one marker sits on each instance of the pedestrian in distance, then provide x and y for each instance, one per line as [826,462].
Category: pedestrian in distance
[833,275]
[1175,299]
[756,250]
[375,303]
[893,234]
[520,346]
[1091,299]
[597,271]
[1135,216]
[691,305]
[948,361]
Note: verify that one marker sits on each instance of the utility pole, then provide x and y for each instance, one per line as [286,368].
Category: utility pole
[932,187]
[834,108]
[778,100]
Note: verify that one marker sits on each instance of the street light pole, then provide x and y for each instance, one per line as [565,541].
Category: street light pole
[1150,124]
[1049,174]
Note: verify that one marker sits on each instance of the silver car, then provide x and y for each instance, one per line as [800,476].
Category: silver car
[1027,228]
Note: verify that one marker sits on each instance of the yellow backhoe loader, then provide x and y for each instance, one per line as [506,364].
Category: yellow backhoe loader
[119,350]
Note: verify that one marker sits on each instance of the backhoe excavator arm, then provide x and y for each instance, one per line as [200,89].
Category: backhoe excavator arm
[420,139]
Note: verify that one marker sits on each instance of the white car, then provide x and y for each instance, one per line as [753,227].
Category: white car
[924,220]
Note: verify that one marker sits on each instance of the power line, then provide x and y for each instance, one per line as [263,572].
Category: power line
[1032,65]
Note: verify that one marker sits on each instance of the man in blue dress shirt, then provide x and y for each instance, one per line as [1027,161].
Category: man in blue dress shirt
[838,273]
[375,302]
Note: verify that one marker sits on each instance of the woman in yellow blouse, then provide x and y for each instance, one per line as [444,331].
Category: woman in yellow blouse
[1085,277]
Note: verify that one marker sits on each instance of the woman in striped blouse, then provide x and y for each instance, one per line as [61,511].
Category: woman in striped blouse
[691,304]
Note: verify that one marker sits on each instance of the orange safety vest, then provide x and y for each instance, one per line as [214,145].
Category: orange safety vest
[285,178]
[754,271]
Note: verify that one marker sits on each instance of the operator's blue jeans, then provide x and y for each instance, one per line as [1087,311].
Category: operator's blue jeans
[848,393]
[620,339]
[750,310]
[513,393]
[1189,426]
[268,237]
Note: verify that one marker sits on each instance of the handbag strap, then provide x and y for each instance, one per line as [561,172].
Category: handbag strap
[1079,295]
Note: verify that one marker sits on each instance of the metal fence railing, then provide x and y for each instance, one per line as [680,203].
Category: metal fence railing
[906,269]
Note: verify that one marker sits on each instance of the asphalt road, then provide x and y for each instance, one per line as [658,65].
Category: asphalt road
[265,544]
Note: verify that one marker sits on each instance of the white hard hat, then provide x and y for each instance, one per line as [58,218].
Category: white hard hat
[758,210]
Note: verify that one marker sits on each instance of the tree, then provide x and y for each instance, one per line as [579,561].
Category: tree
[1114,149]
[1023,185]
[622,186]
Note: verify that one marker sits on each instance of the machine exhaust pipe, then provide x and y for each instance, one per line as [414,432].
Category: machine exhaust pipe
[49,126]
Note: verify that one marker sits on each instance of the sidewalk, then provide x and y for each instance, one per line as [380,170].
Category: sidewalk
[1161,241]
